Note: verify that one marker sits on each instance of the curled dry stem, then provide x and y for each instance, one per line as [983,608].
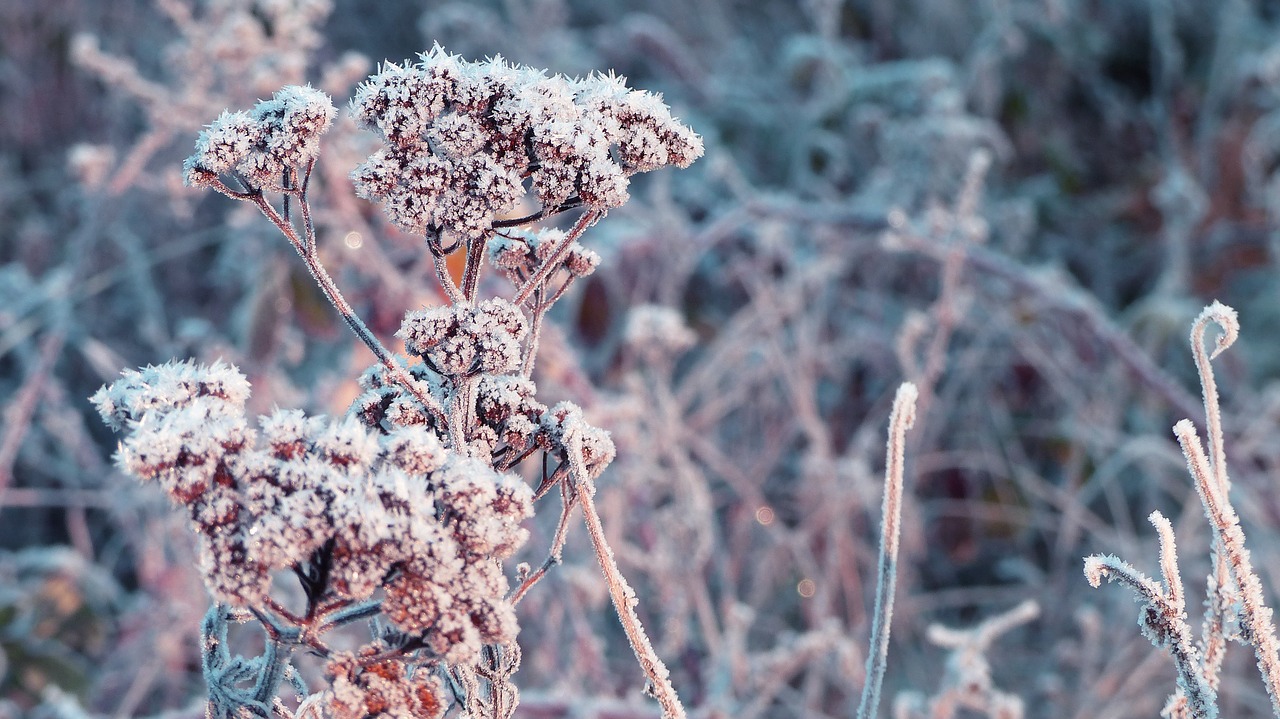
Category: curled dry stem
[1164,617]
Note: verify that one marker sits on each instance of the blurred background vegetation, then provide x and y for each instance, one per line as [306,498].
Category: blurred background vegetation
[1018,204]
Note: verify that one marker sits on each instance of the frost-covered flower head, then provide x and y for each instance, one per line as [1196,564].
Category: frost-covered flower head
[262,144]
[464,340]
[518,253]
[393,508]
[462,136]
[567,431]
[361,687]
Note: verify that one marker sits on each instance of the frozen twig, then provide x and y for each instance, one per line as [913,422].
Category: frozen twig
[1222,589]
[900,420]
[1255,616]
[1234,586]
[1163,616]
[620,591]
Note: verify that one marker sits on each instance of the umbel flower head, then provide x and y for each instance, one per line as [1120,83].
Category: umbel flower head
[262,144]
[462,340]
[462,137]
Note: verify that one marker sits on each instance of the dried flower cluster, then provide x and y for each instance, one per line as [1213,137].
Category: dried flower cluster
[462,137]
[395,511]
[261,145]
[519,253]
[465,340]
[383,688]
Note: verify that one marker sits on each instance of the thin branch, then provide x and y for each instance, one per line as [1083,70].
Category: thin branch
[338,617]
[553,262]
[557,475]
[306,249]
[568,501]
[570,204]
[623,596]
[535,334]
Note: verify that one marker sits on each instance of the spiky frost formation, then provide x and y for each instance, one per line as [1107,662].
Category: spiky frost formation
[159,389]
[462,135]
[261,145]
[392,506]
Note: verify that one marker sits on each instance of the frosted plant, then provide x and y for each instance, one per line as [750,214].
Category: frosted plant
[966,685]
[221,51]
[1234,593]
[655,332]
[900,420]
[402,511]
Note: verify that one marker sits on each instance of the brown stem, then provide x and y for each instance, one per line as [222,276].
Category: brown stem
[306,248]
[588,218]
[471,273]
[557,546]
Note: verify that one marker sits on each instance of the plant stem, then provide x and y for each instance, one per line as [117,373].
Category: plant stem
[900,420]
[306,248]
[623,596]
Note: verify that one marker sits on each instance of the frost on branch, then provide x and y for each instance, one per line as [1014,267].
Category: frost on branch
[390,509]
[462,136]
[263,144]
